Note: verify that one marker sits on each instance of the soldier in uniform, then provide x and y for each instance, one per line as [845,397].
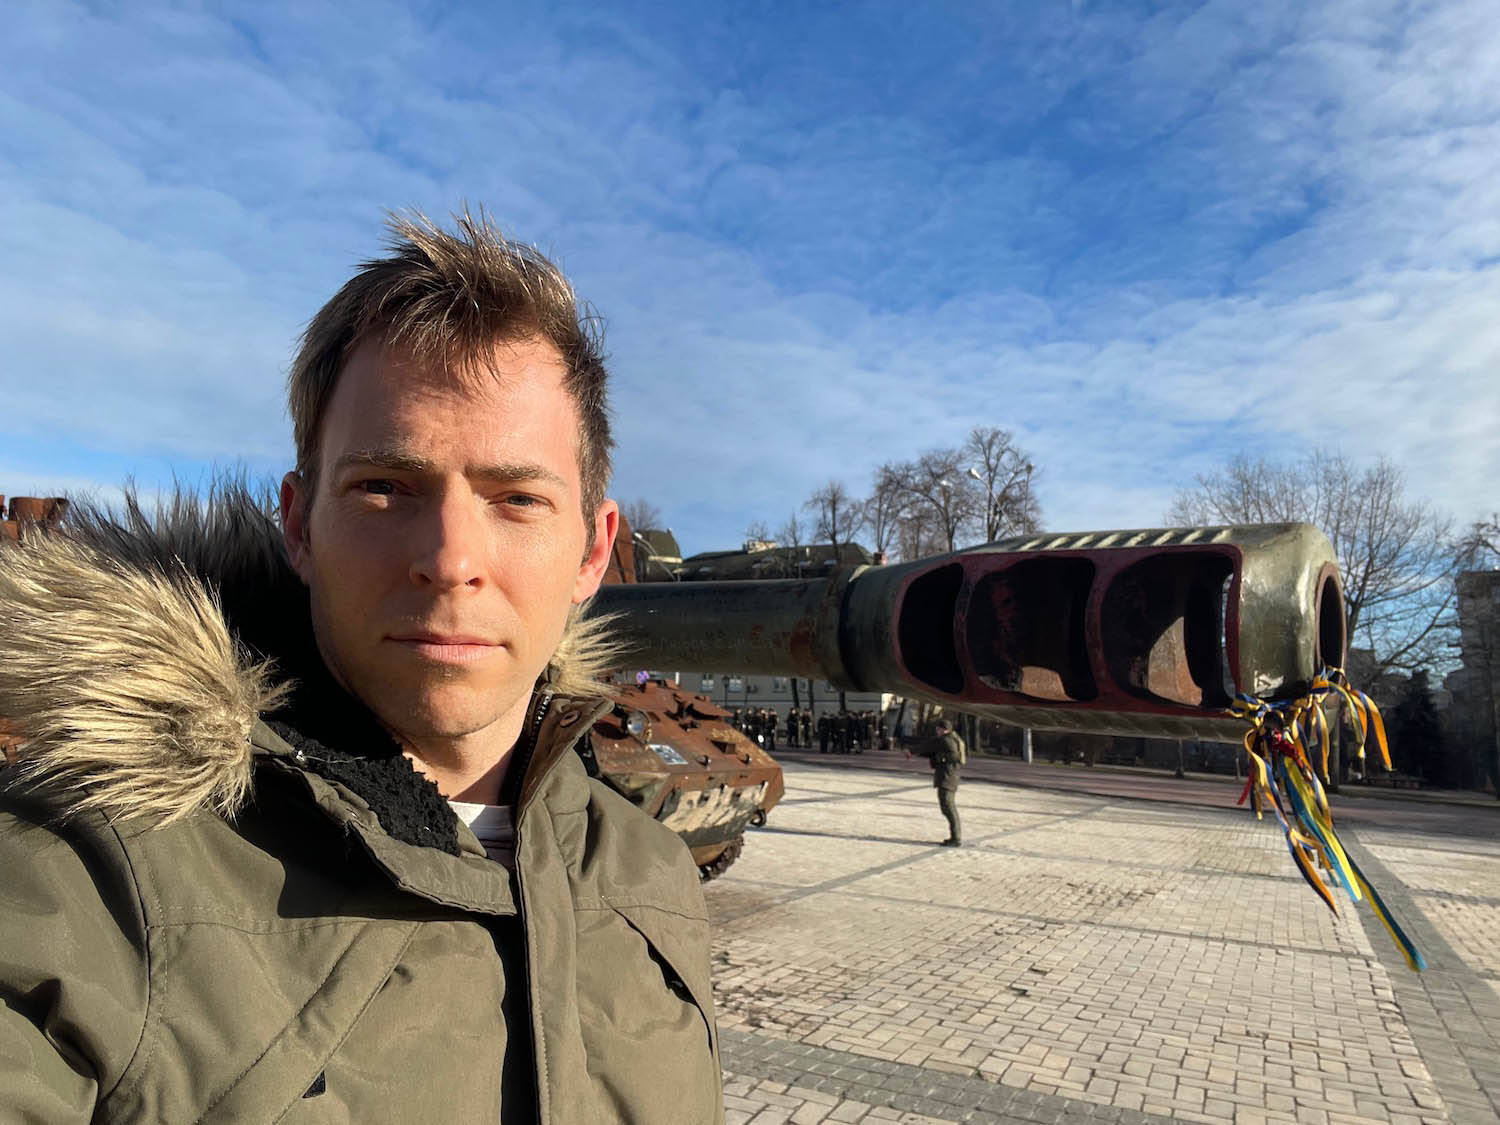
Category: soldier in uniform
[805,723]
[791,727]
[947,753]
[824,731]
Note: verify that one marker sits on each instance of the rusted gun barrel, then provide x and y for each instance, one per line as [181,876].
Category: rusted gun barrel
[1112,632]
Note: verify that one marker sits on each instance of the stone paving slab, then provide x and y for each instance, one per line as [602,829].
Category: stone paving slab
[819,1084]
[1107,959]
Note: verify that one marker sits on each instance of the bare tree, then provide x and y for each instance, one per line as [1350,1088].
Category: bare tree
[1480,548]
[1397,555]
[918,534]
[839,515]
[792,532]
[941,490]
[642,515]
[886,505]
[758,531]
[1004,472]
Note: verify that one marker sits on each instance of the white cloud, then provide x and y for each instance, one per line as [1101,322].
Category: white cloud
[1140,246]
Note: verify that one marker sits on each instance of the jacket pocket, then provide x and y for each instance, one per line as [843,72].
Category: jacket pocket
[646,1013]
[285,1077]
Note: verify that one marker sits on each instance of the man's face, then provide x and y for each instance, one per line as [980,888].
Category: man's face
[446,541]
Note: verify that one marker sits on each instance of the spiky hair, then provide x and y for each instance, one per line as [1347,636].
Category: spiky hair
[446,298]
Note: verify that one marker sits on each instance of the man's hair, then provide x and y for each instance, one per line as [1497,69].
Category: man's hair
[944,726]
[447,298]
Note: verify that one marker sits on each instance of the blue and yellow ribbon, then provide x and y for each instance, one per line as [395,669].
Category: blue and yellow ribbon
[1282,744]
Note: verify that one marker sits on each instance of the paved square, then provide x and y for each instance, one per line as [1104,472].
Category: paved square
[1092,958]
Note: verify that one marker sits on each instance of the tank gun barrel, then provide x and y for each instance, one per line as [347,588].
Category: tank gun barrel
[1115,632]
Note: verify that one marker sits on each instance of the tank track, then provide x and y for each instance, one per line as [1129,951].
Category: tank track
[722,862]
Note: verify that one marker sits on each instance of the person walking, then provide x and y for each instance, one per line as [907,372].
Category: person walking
[947,752]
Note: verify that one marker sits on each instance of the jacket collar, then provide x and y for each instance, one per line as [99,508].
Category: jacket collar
[413,860]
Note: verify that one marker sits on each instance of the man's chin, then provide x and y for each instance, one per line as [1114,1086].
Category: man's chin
[443,714]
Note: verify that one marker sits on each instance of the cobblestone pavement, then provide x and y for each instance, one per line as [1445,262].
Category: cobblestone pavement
[1092,958]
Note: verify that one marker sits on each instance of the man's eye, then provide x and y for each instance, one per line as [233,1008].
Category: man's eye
[378,487]
[521,500]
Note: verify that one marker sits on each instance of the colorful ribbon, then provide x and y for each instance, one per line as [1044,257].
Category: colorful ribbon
[1281,743]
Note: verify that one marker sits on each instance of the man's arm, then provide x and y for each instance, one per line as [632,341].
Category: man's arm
[928,747]
[72,969]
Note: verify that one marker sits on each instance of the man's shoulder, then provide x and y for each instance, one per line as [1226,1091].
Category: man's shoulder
[635,857]
[178,871]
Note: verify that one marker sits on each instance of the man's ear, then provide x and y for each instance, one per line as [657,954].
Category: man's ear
[596,562]
[294,500]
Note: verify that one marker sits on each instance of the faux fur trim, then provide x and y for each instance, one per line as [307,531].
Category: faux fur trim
[127,688]
[138,648]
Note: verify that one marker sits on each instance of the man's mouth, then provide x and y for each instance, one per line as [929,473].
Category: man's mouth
[446,648]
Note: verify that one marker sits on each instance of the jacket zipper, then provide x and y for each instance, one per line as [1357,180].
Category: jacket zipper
[515,782]
[515,776]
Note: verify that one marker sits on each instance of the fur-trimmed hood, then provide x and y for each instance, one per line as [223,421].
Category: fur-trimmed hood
[138,651]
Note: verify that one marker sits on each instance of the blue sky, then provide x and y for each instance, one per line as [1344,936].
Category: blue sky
[1142,237]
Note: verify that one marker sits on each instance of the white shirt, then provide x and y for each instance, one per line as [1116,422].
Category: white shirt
[493,827]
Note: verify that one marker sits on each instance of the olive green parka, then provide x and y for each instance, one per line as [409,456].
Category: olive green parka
[209,917]
[947,753]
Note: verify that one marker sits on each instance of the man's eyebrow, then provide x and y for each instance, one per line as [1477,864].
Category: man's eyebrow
[398,460]
[516,473]
[395,459]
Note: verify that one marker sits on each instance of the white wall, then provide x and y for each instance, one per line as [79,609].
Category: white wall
[733,691]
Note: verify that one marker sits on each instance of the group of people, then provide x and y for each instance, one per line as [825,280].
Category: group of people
[760,724]
[847,732]
[852,732]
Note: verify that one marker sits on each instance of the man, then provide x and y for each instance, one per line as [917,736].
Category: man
[384,890]
[947,752]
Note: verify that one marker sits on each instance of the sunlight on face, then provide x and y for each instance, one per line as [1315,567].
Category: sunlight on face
[446,542]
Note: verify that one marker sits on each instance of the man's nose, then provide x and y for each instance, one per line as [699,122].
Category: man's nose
[451,544]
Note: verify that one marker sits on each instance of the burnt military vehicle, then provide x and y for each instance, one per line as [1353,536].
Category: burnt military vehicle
[676,755]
